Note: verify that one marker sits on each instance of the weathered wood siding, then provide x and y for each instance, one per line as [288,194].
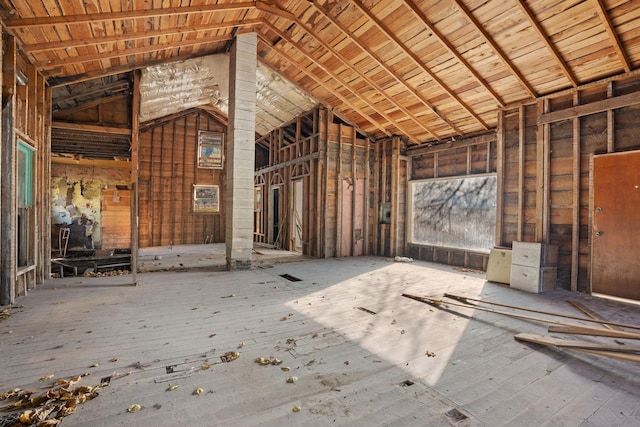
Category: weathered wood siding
[546,185]
[465,157]
[168,171]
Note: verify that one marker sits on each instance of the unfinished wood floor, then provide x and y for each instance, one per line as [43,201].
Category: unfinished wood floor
[352,367]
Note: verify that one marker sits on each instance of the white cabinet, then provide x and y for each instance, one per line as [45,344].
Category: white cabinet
[534,267]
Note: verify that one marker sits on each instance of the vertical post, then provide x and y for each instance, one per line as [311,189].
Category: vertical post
[521,170]
[367,191]
[575,230]
[241,152]
[8,209]
[46,180]
[354,198]
[135,146]
[395,195]
[500,177]
[339,195]
[542,139]
[546,178]
[610,122]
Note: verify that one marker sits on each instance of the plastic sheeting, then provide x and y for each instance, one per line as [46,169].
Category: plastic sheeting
[173,87]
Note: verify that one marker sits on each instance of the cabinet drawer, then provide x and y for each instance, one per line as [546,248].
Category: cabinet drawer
[528,254]
[525,278]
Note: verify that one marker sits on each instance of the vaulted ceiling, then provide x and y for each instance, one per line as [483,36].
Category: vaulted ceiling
[427,70]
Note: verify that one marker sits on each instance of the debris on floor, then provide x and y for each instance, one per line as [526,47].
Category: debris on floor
[617,351]
[105,273]
[230,356]
[48,408]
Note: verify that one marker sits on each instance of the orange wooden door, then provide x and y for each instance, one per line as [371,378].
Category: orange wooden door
[615,256]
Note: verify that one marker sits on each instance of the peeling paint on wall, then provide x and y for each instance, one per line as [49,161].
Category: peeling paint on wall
[76,202]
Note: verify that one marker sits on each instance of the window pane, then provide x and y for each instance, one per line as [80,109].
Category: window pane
[456,213]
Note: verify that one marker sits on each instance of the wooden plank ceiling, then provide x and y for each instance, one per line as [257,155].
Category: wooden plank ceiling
[428,70]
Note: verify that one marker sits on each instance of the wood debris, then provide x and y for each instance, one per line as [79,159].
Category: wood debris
[50,407]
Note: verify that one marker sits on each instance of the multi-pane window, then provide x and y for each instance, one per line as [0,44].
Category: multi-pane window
[210,150]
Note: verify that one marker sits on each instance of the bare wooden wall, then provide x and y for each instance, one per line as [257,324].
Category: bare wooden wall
[466,157]
[25,108]
[168,171]
[547,150]
[324,155]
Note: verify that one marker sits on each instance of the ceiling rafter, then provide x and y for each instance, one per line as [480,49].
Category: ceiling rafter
[419,63]
[362,75]
[91,104]
[139,14]
[496,49]
[293,62]
[545,39]
[66,44]
[452,50]
[128,52]
[116,86]
[613,35]
[336,77]
[381,63]
[335,113]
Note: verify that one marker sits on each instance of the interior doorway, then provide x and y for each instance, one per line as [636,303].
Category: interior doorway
[298,203]
[353,217]
[615,258]
[274,217]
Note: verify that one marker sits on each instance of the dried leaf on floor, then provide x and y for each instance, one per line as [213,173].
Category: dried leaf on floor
[135,407]
[47,377]
[292,379]
[173,387]
[296,409]
[198,391]
[230,356]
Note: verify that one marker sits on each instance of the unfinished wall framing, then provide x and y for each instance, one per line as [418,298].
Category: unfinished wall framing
[168,172]
[548,146]
[328,162]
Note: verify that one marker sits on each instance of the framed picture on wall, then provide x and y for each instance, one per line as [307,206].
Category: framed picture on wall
[210,150]
[206,199]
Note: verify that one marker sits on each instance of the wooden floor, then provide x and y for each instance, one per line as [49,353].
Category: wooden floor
[408,364]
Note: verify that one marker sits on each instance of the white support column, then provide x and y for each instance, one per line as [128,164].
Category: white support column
[241,152]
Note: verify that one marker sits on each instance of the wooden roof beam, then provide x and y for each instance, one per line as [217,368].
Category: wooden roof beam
[91,128]
[550,46]
[452,50]
[608,26]
[383,28]
[293,62]
[116,86]
[381,63]
[373,84]
[127,52]
[346,85]
[93,103]
[496,49]
[66,44]
[139,14]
